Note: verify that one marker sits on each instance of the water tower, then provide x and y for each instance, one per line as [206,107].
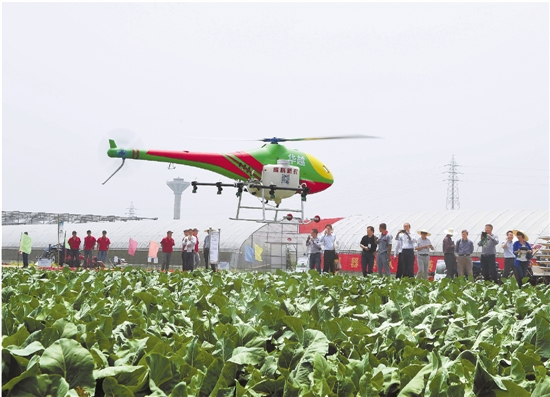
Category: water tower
[178,185]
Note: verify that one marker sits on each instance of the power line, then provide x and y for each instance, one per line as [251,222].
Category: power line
[507,183]
[505,168]
[452,185]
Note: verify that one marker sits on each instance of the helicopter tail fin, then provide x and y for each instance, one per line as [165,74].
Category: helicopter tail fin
[112,144]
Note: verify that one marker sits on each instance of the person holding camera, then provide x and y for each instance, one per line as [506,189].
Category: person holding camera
[368,245]
[188,250]
[509,257]
[524,253]
[423,247]
[488,244]
[330,251]
[406,243]
[314,246]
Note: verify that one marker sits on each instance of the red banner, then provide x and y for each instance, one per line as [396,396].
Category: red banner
[352,263]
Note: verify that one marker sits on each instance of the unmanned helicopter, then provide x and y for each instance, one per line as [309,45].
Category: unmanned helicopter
[271,172]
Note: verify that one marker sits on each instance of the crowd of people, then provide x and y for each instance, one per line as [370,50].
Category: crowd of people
[190,256]
[190,250]
[90,243]
[457,253]
[374,249]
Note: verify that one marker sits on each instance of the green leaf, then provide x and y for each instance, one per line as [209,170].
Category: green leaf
[542,341]
[486,384]
[248,336]
[248,355]
[25,351]
[67,358]
[417,384]
[211,377]
[296,325]
[50,385]
[542,389]
[314,342]
[111,388]
[180,390]
[163,374]
[515,390]
[113,371]
[17,338]
[33,369]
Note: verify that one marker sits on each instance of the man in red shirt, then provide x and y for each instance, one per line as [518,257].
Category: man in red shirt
[89,245]
[103,246]
[74,244]
[167,245]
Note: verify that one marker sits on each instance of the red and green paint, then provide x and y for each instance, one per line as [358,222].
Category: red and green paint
[241,165]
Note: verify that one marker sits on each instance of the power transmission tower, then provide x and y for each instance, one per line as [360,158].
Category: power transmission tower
[452,185]
[131,210]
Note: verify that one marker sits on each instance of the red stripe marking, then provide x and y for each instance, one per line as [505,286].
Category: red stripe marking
[316,187]
[250,161]
[215,159]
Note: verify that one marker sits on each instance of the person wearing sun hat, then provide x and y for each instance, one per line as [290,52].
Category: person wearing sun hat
[449,253]
[423,247]
[523,251]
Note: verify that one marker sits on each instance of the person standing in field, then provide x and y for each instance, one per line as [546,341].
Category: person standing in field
[89,246]
[330,245]
[314,246]
[523,251]
[25,248]
[449,253]
[74,245]
[368,246]
[167,245]
[423,247]
[103,244]
[206,249]
[488,243]
[384,250]
[397,254]
[188,250]
[509,257]
[196,255]
[407,243]
[464,248]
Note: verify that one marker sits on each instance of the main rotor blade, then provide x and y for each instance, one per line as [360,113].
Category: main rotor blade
[318,138]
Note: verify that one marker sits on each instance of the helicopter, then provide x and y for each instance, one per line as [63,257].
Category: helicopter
[281,171]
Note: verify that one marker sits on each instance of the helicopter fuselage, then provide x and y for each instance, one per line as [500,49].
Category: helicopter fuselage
[241,165]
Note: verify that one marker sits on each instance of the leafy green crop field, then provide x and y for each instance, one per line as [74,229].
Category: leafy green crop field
[137,333]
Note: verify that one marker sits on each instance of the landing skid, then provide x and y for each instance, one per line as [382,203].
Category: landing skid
[265,207]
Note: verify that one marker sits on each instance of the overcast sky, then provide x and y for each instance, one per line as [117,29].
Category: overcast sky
[432,80]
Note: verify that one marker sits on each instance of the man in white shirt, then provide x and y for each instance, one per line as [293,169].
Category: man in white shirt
[188,250]
[407,243]
[330,245]
[509,257]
